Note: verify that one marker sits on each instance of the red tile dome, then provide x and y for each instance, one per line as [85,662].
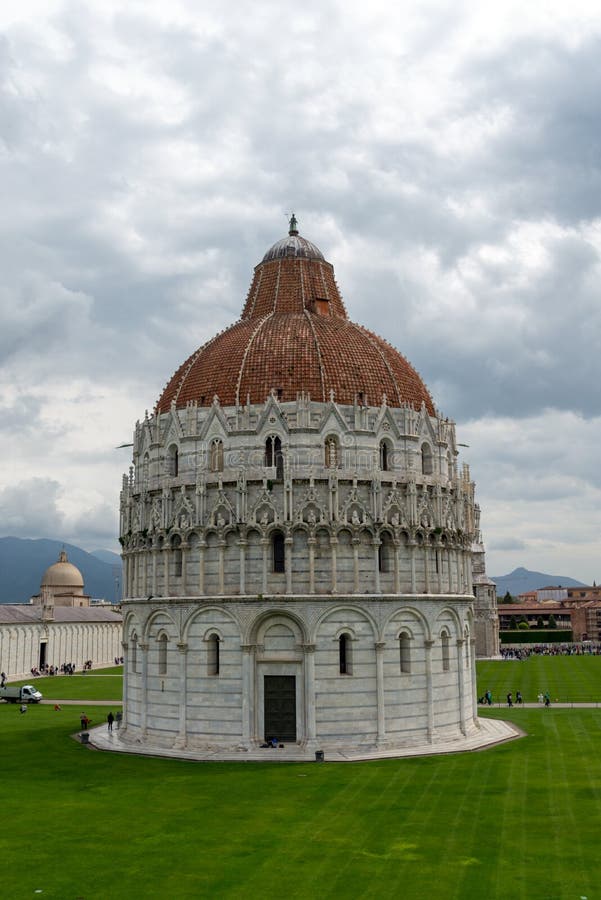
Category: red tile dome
[294,335]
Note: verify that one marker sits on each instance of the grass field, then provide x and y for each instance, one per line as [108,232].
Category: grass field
[100,684]
[516,821]
[569,679]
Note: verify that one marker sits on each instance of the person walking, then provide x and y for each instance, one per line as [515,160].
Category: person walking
[509,699]
[518,697]
[488,696]
[547,698]
[110,719]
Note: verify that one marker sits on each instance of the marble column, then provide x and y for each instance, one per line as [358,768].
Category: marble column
[412,560]
[155,554]
[429,690]
[288,563]
[221,566]
[125,654]
[355,543]
[144,561]
[166,559]
[333,545]
[472,646]
[265,547]
[202,546]
[397,567]
[248,693]
[311,544]
[376,548]
[144,688]
[310,725]
[460,684]
[380,646]
[182,736]
[242,544]
[184,549]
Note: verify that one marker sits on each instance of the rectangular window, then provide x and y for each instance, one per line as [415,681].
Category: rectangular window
[163,655]
[405,651]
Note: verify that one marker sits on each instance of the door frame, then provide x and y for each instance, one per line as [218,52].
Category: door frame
[279,668]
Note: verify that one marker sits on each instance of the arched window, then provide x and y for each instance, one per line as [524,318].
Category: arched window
[134,653]
[213,655]
[332,452]
[278,552]
[427,466]
[274,455]
[384,552]
[344,654]
[163,654]
[405,652]
[177,556]
[385,456]
[216,456]
[446,656]
[173,461]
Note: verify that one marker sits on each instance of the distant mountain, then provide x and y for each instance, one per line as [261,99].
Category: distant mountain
[521,580]
[23,562]
[107,556]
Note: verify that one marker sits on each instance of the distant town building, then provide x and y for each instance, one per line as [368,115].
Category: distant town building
[577,609]
[58,626]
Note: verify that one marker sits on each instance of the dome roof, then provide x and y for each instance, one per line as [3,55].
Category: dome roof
[294,335]
[62,574]
[293,245]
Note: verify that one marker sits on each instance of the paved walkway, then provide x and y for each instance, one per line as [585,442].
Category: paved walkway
[84,702]
[591,704]
[490,732]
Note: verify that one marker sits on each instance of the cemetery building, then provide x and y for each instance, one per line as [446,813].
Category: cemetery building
[302,551]
[58,626]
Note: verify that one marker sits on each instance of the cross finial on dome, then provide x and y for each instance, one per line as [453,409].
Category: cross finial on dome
[293,225]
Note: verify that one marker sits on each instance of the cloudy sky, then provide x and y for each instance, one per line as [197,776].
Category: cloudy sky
[445,157]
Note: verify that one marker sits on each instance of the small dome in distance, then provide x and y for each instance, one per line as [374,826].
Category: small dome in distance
[62,574]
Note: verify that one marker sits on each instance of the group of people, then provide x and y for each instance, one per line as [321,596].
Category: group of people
[111,719]
[486,698]
[589,648]
[64,669]
[118,660]
[518,698]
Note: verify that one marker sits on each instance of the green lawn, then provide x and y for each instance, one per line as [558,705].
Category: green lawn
[516,821]
[100,684]
[567,678]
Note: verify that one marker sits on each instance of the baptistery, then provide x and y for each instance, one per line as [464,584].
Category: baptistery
[299,542]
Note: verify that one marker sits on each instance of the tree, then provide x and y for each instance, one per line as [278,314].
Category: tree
[540,622]
[552,623]
[507,598]
[513,622]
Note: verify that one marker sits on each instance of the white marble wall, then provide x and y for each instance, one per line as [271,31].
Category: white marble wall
[374,705]
[65,642]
